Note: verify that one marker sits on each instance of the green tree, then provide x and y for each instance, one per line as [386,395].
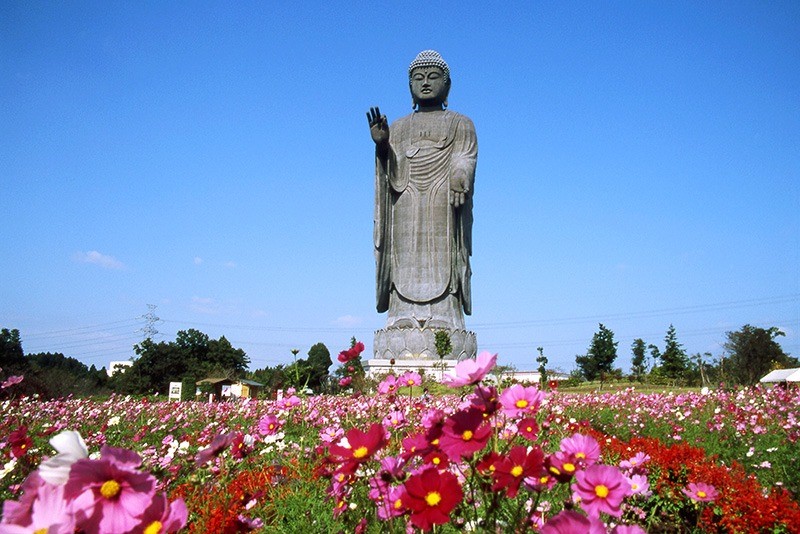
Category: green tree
[753,352]
[191,354]
[599,359]
[12,359]
[639,360]
[674,361]
[542,360]
[319,361]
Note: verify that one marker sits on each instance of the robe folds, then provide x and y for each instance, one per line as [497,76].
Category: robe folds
[422,243]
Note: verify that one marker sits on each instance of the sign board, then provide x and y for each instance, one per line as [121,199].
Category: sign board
[175,391]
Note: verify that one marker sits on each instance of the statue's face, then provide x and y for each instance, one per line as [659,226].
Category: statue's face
[428,85]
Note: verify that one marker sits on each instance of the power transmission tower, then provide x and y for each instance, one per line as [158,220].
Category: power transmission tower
[149,330]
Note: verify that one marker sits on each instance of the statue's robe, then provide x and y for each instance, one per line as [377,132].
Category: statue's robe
[423,243]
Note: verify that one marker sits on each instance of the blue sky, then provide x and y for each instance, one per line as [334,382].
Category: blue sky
[639,166]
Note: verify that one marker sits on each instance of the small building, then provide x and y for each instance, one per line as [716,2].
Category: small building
[228,388]
[782,376]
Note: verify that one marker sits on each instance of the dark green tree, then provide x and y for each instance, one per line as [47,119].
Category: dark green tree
[639,360]
[191,354]
[674,361]
[12,359]
[319,361]
[599,359]
[753,352]
[542,361]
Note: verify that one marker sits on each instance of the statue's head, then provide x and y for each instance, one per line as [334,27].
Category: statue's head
[429,79]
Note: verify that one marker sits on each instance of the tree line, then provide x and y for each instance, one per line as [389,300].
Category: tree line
[191,357]
[749,354]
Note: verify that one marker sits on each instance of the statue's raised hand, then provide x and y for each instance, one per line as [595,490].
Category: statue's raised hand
[378,127]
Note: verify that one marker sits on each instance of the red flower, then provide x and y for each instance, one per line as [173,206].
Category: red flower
[464,433]
[528,428]
[431,497]
[358,446]
[19,442]
[519,464]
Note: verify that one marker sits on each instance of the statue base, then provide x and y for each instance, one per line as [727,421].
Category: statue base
[420,344]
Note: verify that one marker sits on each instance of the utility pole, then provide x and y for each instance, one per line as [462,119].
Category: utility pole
[149,330]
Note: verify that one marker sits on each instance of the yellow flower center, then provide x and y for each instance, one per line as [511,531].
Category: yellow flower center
[40,531]
[543,480]
[433,498]
[634,486]
[521,403]
[528,428]
[492,468]
[153,528]
[601,491]
[467,435]
[580,455]
[360,452]
[517,470]
[435,442]
[554,470]
[398,504]
[410,382]
[437,460]
[569,468]
[701,494]
[109,489]
[340,477]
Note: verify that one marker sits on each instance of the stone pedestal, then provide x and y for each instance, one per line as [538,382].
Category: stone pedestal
[420,344]
[378,367]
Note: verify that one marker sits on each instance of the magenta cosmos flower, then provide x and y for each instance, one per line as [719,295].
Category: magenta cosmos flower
[110,493]
[431,496]
[509,472]
[521,401]
[49,513]
[585,448]
[601,488]
[410,379]
[389,385]
[469,372]
[701,492]
[464,433]
[571,522]
[269,425]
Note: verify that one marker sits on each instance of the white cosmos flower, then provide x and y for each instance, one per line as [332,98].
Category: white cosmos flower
[71,448]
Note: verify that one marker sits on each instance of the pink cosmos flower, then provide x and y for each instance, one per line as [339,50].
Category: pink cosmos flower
[394,419]
[639,485]
[701,492]
[388,386]
[635,464]
[571,522]
[163,517]
[50,512]
[11,380]
[109,493]
[269,425]
[585,448]
[601,488]
[470,372]
[410,379]
[521,401]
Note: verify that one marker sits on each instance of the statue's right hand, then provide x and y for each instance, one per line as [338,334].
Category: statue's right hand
[378,126]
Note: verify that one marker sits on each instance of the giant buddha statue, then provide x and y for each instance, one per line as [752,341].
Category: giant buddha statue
[424,177]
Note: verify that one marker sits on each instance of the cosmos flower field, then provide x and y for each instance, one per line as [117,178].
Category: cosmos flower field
[479,458]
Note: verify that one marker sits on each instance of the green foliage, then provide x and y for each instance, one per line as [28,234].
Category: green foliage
[12,359]
[639,360]
[55,376]
[674,362]
[753,352]
[599,359]
[192,353]
[542,360]
[442,343]
[188,388]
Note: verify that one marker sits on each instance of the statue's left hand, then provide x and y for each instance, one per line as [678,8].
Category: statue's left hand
[459,185]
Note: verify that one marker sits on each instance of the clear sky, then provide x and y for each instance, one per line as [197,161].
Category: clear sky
[639,166]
